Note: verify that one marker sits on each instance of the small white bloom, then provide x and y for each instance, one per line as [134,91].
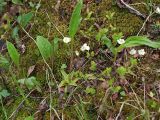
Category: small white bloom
[121,41]
[66,39]
[157,10]
[85,47]
[141,52]
[77,53]
[132,52]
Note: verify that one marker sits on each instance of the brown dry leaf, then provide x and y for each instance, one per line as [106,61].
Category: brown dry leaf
[30,70]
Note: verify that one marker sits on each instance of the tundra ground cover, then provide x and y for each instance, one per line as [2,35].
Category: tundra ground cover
[79,60]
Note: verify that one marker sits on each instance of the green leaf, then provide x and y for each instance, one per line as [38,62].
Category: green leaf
[29,118]
[117,36]
[17,2]
[110,82]
[107,71]
[133,62]
[93,66]
[106,41]
[90,90]
[75,19]
[55,44]
[68,79]
[15,56]
[116,89]
[101,33]
[30,82]
[4,93]
[138,41]
[15,33]
[122,93]
[24,19]
[121,71]
[44,47]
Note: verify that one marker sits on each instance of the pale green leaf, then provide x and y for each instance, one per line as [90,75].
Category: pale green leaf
[24,19]
[15,56]
[44,47]
[138,41]
[90,90]
[4,93]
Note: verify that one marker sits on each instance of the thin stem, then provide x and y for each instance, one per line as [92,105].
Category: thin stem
[145,23]
[72,55]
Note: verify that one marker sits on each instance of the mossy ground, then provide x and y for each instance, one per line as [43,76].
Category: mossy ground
[125,22]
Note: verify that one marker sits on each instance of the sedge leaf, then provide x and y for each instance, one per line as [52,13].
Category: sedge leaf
[75,19]
[44,47]
[13,53]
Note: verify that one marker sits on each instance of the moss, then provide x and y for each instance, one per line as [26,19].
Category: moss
[124,22]
[24,111]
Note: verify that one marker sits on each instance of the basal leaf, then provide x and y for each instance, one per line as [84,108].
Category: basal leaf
[13,53]
[137,41]
[55,44]
[75,19]
[24,19]
[4,93]
[44,47]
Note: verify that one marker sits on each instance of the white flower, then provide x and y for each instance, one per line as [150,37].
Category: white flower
[85,47]
[66,39]
[157,10]
[141,52]
[121,41]
[132,52]
[77,53]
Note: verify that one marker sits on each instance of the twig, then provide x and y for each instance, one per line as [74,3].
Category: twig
[54,25]
[145,23]
[132,10]
[120,111]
